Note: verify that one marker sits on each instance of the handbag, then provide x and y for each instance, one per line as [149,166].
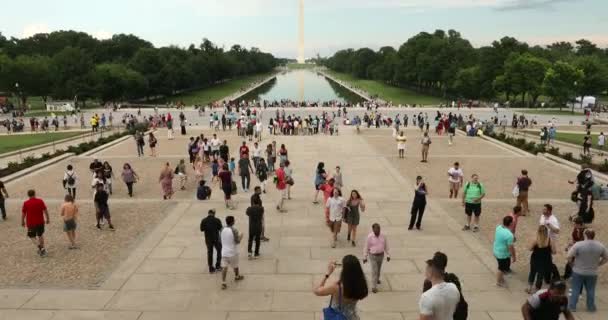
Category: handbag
[515,191]
[330,313]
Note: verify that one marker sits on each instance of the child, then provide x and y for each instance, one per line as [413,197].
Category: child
[203,192]
[69,213]
[232,166]
[215,170]
[338,183]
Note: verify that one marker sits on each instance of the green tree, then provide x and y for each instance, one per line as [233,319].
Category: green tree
[27,76]
[114,82]
[70,70]
[467,82]
[524,74]
[595,81]
[559,82]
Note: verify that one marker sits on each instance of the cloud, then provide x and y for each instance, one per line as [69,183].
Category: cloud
[102,34]
[34,28]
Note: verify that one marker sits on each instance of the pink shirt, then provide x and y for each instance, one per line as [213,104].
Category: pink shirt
[375,245]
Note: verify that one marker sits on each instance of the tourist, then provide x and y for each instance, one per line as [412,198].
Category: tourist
[587,145]
[548,304]
[452,130]
[504,250]
[472,195]
[338,182]
[586,257]
[198,168]
[420,193]
[549,220]
[283,154]
[3,196]
[129,177]
[225,178]
[69,213]
[280,181]
[288,178]
[376,246]
[262,174]
[258,130]
[203,192]
[256,217]
[541,261]
[455,180]
[601,141]
[215,146]
[166,181]
[182,123]
[224,151]
[169,127]
[95,166]
[515,214]
[354,206]
[244,150]
[98,178]
[426,143]
[523,185]
[152,142]
[335,205]
[230,239]
[33,214]
[139,142]
[440,260]
[578,234]
[257,154]
[270,157]
[108,174]
[401,140]
[211,227]
[441,300]
[180,171]
[320,176]
[245,171]
[585,205]
[101,207]
[349,289]
[69,182]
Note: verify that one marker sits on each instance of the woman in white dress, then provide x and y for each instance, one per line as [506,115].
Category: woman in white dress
[401,139]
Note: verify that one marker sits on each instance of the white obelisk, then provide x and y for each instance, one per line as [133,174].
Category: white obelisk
[301,33]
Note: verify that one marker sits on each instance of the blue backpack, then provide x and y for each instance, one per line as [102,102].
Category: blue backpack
[330,313]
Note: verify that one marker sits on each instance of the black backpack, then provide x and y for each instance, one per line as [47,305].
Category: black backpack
[462,308]
[70,180]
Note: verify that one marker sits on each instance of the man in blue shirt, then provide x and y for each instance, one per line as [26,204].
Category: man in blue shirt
[504,251]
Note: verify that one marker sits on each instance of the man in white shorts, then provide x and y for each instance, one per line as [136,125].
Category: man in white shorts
[455,178]
[231,238]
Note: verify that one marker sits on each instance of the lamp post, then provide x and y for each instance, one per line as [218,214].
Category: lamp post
[574,102]
[17,93]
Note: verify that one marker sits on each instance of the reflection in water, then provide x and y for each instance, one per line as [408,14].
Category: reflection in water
[302,85]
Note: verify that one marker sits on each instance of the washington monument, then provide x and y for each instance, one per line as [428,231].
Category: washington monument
[301,33]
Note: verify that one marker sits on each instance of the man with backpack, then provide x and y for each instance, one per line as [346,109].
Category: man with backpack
[471,201]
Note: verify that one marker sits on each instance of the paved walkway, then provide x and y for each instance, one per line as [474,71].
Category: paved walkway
[165,276]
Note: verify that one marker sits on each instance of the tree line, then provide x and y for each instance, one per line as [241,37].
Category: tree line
[69,64]
[445,64]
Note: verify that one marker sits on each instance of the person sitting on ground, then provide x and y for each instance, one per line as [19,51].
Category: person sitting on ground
[203,192]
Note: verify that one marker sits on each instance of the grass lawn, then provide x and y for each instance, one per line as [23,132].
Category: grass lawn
[557,112]
[574,138]
[296,66]
[18,141]
[387,92]
[215,93]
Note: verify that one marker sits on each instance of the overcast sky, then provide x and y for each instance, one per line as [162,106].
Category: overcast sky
[330,25]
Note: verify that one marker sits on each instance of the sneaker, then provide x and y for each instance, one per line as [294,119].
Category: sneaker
[4,217]
[374,290]
[103,222]
[265,239]
[224,286]
[98,226]
[43,252]
[256,256]
[249,256]
[211,270]
[501,284]
[112,227]
[466,228]
[475,228]
[353,244]
[239,278]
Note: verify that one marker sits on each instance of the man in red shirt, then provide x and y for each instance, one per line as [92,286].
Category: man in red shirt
[32,216]
[244,149]
[281,186]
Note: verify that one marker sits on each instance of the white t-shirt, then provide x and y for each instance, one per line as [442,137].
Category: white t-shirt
[552,220]
[335,205]
[229,247]
[601,139]
[215,144]
[440,301]
[455,175]
[258,126]
[257,152]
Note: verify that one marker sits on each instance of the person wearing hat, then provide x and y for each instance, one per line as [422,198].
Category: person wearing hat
[212,226]
[441,300]
[420,192]
[547,304]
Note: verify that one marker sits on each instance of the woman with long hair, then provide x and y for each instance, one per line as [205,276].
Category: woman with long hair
[348,290]
[354,206]
[282,154]
[320,176]
[108,173]
[129,177]
[166,181]
[540,260]
[152,143]
[198,168]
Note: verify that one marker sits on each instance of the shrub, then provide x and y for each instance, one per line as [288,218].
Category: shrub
[604,166]
[567,156]
[541,148]
[501,136]
[554,151]
[586,159]
[530,146]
